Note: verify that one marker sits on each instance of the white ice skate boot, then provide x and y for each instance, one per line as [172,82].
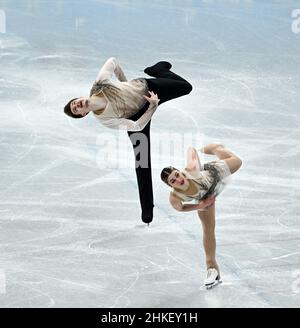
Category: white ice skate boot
[212,278]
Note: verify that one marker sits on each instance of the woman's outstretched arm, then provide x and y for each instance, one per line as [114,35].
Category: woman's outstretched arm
[193,161]
[179,206]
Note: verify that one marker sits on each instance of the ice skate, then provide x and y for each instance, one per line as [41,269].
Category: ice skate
[147,216]
[158,67]
[212,278]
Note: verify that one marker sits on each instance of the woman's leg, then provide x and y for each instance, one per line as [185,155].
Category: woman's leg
[209,239]
[233,161]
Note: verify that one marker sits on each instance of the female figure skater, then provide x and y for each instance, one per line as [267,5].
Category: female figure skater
[202,184]
[130,105]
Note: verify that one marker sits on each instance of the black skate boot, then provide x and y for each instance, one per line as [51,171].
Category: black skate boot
[158,67]
[147,216]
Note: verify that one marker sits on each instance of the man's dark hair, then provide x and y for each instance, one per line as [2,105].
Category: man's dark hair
[68,111]
[166,172]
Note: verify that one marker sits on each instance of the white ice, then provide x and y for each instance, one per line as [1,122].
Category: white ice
[70,228]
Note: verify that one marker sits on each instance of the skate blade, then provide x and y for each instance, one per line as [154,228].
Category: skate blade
[216,283]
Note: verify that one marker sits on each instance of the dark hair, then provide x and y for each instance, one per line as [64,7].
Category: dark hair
[166,172]
[68,111]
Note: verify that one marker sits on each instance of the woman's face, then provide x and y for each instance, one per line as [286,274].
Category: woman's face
[177,180]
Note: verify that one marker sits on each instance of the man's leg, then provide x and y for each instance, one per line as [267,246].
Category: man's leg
[169,87]
[162,69]
[167,84]
[141,145]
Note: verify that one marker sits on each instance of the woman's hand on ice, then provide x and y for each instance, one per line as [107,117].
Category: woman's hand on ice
[153,99]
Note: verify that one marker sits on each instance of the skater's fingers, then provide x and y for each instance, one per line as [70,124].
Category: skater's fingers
[207,202]
[210,200]
[153,98]
[202,204]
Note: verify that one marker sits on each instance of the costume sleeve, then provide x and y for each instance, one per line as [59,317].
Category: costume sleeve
[111,67]
[129,125]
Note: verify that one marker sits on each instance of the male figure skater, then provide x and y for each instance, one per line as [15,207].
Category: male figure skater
[130,105]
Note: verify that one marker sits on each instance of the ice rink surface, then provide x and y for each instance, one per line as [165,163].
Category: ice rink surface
[70,228]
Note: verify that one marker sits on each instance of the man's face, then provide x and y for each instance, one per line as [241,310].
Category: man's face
[80,106]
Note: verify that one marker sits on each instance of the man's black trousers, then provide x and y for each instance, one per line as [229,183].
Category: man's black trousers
[167,85]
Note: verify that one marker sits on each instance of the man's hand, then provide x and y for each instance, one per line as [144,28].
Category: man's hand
[153,99]
[207,202]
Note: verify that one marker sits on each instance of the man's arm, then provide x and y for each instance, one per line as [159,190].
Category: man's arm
[111,67]
[130,125]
